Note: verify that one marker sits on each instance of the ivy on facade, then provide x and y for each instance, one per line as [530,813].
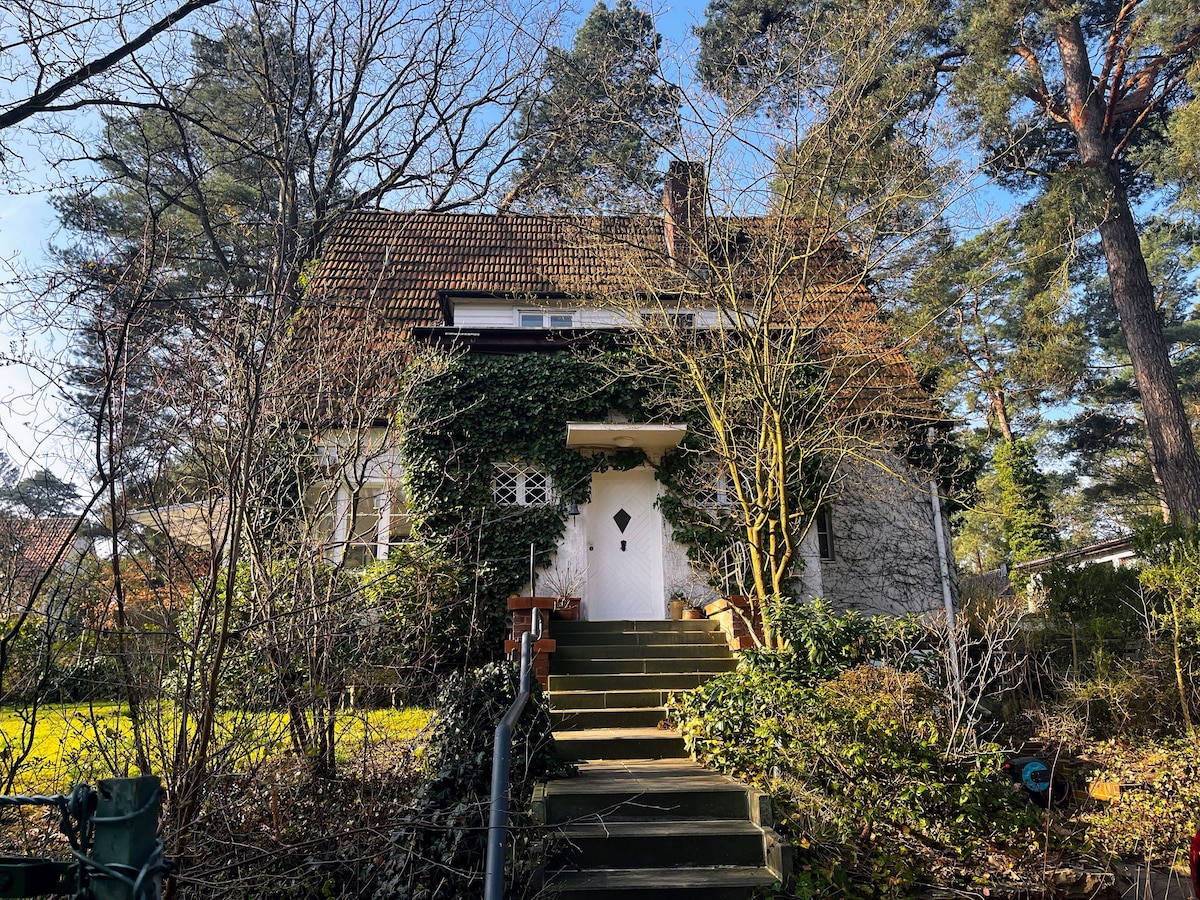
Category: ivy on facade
[481,410]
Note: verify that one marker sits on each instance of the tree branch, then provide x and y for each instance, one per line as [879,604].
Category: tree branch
[42,100]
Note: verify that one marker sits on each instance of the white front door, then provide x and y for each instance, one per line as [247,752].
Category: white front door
[624,535]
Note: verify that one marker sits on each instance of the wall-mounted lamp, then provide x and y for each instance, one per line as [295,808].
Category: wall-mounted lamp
[623,440]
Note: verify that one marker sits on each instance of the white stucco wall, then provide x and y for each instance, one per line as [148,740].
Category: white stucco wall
[884,546]
[885,551]
[500,313]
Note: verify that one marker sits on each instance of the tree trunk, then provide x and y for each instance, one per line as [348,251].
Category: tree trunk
[1172,447]
[1174,452]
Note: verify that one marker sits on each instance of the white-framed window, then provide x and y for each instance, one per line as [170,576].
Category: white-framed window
[546,318]
[673,320]
[712,487]
[520,484]
[824,526]
[359,526]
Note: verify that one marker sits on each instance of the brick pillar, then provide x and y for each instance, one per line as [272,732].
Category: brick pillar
[522,609]
[730,613]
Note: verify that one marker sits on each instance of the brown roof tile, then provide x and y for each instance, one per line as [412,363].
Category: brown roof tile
[395,270]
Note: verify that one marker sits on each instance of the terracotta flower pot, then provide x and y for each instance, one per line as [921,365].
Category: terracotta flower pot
[693,613]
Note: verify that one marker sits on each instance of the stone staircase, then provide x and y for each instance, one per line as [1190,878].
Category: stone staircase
[641,819]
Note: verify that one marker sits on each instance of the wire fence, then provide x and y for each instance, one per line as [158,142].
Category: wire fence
[112,833]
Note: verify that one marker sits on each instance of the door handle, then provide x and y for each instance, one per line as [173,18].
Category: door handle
[622,546]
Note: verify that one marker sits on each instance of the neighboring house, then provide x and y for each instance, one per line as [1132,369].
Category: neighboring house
[1116,552]
[35,554]
[509,284]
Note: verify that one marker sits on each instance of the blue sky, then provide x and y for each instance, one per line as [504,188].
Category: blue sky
[30,431]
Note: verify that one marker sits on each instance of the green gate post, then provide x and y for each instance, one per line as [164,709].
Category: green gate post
[126,835]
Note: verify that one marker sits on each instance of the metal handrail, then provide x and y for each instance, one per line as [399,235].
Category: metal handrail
[493,879]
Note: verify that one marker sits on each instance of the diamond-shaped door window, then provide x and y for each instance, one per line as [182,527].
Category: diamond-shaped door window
[622,519]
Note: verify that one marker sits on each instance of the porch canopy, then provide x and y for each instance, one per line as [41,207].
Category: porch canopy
[652,438]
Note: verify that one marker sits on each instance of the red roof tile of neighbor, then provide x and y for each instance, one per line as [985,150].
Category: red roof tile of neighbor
[29,547]
[397,269]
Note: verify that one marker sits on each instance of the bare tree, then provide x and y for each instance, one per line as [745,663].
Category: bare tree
[984,654]
[53,49]
[190,272]
[762,321]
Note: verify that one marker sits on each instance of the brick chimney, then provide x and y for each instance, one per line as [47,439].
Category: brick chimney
[684,200]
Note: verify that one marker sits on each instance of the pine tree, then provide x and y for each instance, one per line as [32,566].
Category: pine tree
[593,137]
[1067,99]
[1024,506]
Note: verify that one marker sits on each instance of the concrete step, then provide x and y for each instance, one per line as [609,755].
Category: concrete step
[640,820]
[619,743]
[640,790]
[607,699]
[701,626]
[735,883]
[639,651]
[612,717]
[680,681]
[633,665]
[656,844]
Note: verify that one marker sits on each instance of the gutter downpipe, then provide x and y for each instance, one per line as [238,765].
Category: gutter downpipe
[947,597]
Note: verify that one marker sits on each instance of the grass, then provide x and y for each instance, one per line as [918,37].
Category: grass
[73,743]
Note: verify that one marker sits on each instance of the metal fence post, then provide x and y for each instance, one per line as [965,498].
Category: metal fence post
[126,839]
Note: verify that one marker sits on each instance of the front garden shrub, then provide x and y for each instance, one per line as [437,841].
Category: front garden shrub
[1157,808]
[819,641]
[1172,576]
[1101,608]
[427,614]
[857,767]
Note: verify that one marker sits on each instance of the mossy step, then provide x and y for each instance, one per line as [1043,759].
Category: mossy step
[607,699]
[640,625]
[657,844]
[635,665]
[632,802]
[619,743]
[639,651]
[611,717]
[679,681]
[692,883]
[641,790]
[710,637]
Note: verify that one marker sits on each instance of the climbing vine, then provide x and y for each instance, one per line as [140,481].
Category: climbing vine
[476,411]
[711,535]
[480,410]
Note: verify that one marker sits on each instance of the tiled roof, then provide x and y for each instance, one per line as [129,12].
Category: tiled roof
[395,270]
[29,547]
[400,264]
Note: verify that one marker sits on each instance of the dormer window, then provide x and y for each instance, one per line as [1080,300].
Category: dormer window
[540,318]
[672,320]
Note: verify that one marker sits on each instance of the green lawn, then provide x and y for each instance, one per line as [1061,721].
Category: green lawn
[75,742]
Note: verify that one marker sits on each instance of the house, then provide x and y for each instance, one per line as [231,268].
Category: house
[1116,552]
[36,554]
[511,286]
